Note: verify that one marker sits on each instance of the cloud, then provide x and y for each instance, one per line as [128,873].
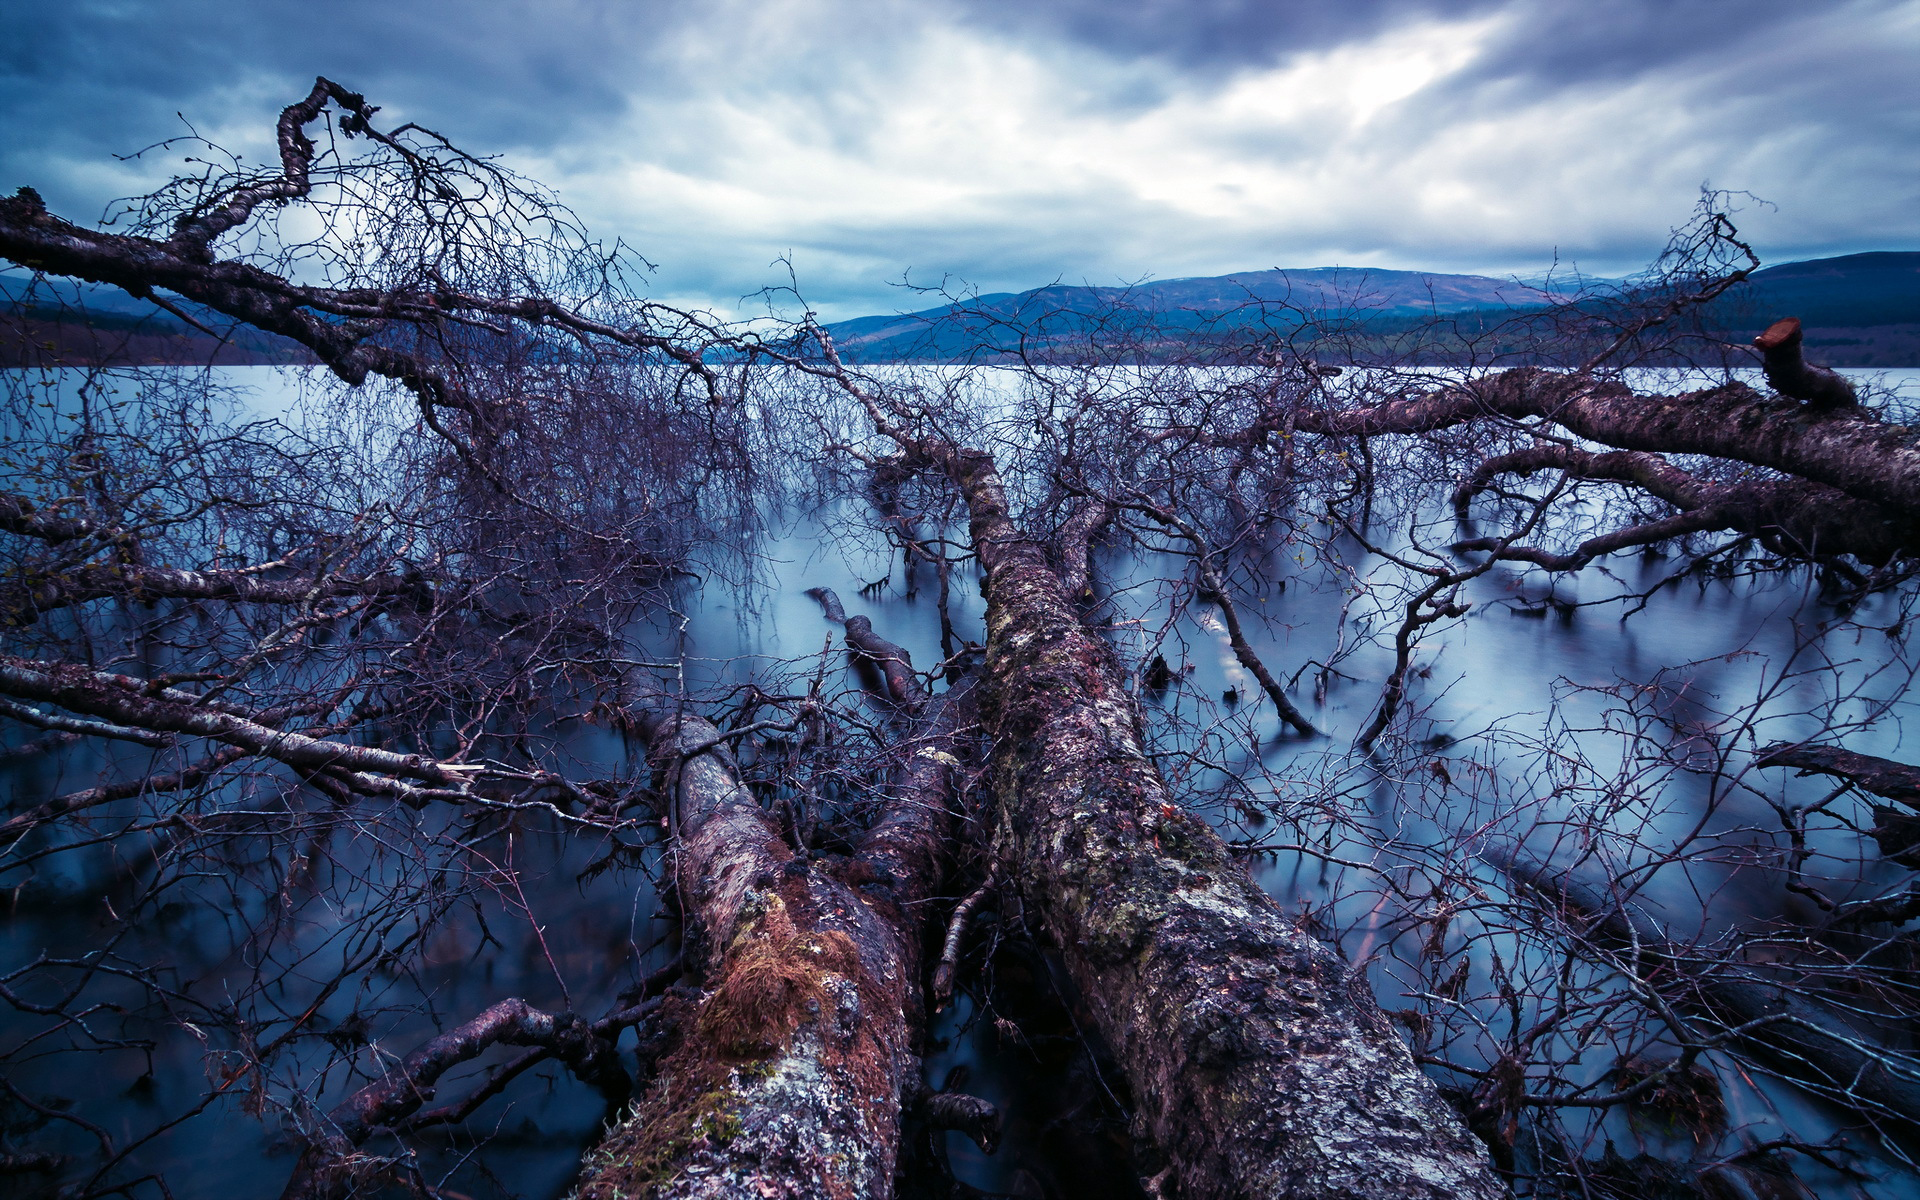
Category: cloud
[1013,143]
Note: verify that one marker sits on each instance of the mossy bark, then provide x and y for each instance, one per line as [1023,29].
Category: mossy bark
[1259,1063]
[789,1069]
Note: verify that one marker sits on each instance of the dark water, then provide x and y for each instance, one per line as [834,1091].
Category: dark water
[1511,693]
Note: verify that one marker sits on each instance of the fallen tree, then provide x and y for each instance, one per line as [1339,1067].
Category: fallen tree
[793,1063]
[577,444]
[1257,1060]
[1851,486]
[791,1066]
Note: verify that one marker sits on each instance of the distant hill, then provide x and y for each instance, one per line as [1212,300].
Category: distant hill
[1174,306]
[83,325]
[1860,290]
[1858,309]
[1861,309]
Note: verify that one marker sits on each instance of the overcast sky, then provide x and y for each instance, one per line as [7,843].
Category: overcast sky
[1009,143]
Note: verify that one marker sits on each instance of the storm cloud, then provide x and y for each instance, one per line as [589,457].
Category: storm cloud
[1009,143]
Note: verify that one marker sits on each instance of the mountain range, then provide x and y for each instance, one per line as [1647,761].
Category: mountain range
[1858,309]
[1862,309]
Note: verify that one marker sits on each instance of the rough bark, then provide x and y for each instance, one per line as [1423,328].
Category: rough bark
[19,515]
[1846,448]
[1258,1061]
[22,605]
[127,701]
[792,1066]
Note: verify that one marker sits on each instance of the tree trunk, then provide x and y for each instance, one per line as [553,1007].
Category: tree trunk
[790,1070]
[1846,449]
[1258,1061]
[1881,776]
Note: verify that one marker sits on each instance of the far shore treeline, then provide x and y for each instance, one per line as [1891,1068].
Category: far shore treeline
[1859,310]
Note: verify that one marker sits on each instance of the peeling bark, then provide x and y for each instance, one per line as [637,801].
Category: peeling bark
[19,515]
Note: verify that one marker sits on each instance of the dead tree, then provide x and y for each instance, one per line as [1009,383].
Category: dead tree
[1256,1061]
[1881,776]
[1852,483]
[794,1061]
[1244,1039]
[313,644]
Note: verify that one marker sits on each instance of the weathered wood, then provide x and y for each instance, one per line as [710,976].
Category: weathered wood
[1846,448]
[1258,1061]
[1790,374]
[792,1065]
[1881,776]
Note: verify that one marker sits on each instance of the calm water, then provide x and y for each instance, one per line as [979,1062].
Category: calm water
[1509,690]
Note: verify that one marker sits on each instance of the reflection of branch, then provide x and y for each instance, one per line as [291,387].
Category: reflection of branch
[1214,589]
[1793,1033]
[1803,518]
[1433,603]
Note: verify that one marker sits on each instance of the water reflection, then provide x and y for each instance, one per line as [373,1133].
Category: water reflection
[1529,676]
